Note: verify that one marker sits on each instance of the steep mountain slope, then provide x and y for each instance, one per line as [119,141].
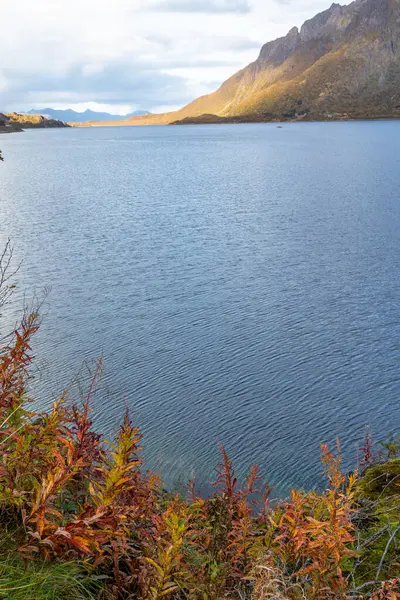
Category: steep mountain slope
[342,63]
[345,62]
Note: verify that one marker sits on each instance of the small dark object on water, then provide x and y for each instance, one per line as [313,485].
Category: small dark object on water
[279,127]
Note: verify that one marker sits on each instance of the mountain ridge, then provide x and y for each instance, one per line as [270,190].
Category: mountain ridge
[343,63]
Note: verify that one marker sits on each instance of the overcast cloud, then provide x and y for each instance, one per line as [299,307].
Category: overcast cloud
[202,6]
[129,54]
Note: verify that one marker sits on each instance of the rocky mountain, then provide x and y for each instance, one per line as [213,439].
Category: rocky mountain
[5,125]
[343,63]
[72,116]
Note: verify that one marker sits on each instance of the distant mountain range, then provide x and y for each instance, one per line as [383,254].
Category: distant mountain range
[344,63]
[72,116]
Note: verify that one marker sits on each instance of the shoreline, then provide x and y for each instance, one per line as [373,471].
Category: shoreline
[232,121]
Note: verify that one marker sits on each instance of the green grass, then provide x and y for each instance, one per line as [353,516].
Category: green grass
[37,580]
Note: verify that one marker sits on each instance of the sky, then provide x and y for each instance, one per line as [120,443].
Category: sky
[124,55]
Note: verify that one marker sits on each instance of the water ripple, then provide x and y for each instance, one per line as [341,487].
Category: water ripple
[242,287]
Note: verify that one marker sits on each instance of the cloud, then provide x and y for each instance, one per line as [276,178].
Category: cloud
[134,80]
[115,83]
[240,44]
[140,83]
[145,53]
[203,6]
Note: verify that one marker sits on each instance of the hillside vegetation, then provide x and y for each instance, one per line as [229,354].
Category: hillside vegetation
[344,63]
[19,121]
[81,518]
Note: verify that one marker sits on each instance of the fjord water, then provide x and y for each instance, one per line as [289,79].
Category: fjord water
[242,283]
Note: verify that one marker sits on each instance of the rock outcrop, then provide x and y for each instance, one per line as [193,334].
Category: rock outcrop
[22,121]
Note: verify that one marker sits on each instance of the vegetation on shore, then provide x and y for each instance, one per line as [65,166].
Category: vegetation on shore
[81,518]
[17,122]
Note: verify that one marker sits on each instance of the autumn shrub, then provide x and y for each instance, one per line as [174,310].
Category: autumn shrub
[81,518]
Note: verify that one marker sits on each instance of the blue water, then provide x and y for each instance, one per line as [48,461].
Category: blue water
[242,283]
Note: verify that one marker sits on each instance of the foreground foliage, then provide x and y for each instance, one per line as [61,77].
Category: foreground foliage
[80,518]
